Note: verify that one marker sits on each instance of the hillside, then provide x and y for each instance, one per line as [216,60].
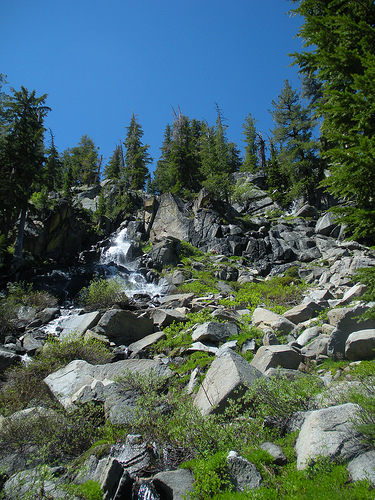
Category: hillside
[251,377]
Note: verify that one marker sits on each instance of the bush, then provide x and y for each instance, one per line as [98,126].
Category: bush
[17,296]
[277,294]
[102,293]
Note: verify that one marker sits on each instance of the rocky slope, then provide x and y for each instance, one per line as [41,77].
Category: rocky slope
[244,343]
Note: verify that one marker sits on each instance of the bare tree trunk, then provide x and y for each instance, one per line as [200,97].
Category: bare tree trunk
[18,246]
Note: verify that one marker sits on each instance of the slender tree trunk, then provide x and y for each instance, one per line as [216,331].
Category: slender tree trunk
[18,246]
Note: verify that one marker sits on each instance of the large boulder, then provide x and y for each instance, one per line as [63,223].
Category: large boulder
[227,378]
[68,381]
[125,327]
[303,312]
[76,326]
[360,345]
[263,317]
[170,219]
[329,432]
[346,321]
[274,356]
[363,467]
[177,483]
[214,332]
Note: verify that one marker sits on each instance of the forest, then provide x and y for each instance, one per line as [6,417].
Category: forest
[321,146]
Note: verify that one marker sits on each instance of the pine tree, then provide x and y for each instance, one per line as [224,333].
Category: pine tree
[293,133]
[340,36]
[82,162]
[136,156]
[219,159]
[22,157]
[53,176]
[115,169]
[251,162]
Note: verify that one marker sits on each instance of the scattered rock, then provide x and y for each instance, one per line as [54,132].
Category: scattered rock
[242,473]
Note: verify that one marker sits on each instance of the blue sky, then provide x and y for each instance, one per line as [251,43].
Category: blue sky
[100,60]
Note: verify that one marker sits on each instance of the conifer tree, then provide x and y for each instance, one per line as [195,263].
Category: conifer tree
[297,156]
[82,162]
[22,157]
[115,169]
[340,38]
[136,156]
[251,162]
[53,176]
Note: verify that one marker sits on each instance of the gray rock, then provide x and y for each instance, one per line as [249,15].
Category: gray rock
[276,356]
[308,335]
[170,219]
[48,314]
[303,312]
[125,327]
[325,224]
[108,474]
[76,326]
[214,332]
[165,252]
[227,378]
[7,359]
[242,473]
[363,467]
[66,382]
[199,346]
[30,343]
[178,483]
[135,455]
[276,452]
[329,432]
[346,321]
[269,338]
[360,345]
[353,293]
[34,484]
[316,348]
[263,317]
[165,317]
[138,346]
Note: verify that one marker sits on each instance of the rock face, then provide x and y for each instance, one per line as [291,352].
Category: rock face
[227,378]
[329,432]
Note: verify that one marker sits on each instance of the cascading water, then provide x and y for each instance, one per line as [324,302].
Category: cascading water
[117,265]
[114,264]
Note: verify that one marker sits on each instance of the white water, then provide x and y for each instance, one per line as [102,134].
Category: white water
[134,282]
[116,267]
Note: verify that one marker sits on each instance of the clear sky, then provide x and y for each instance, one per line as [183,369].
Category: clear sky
[100,60]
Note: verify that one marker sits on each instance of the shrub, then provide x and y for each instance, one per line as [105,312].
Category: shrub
[102,293]
[277,294]
[20,295]
[210,475]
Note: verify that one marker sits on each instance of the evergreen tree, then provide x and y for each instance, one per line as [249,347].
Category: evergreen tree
[136,156]
[179,168]
[22,157]
[82,162]
[53,176]
[115,169]
[251,162]
[340,36]
[298,150]
[219,159]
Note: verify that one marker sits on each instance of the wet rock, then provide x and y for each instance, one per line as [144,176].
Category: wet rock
[7,359]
